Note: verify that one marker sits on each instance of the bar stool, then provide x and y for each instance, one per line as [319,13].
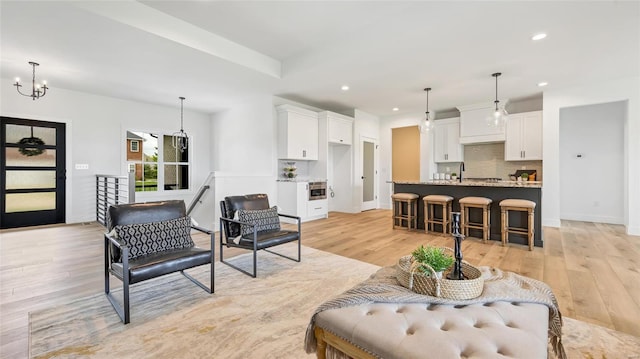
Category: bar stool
[399,215]
[430,219]
[466,204]
[517,205]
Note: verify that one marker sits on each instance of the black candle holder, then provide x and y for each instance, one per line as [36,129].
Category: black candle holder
[456,273]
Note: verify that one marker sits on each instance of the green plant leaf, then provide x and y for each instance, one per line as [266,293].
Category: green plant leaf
[435,257]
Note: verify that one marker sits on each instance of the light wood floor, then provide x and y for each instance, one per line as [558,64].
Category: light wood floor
[594,269]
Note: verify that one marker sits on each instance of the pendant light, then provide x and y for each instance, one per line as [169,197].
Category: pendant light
[498,116]
[180,140]
[37,90]
[428,117]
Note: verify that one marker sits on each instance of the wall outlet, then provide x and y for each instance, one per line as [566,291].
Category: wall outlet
[82,166]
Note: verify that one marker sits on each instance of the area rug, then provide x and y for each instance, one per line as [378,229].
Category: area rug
[264,317]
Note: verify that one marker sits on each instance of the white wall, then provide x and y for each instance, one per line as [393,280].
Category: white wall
[244,150]
[426,164]
[627,89]
[365,126]
[96,127]
[340,177]
[244,138]
[592,162]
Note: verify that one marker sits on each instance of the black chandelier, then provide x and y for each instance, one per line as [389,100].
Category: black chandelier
[37,90]
[180,139]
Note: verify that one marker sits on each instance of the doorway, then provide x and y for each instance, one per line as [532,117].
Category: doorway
[369,174]
[32,173]
[592,162]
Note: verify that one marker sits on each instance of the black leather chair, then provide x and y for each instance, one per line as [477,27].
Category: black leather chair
[230,229]
[119,262]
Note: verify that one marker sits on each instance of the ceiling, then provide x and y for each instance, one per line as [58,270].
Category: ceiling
[217,54]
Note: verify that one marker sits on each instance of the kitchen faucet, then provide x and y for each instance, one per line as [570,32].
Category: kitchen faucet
[461,169]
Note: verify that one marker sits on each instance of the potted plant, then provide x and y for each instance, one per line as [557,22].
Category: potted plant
[434,257]
[524,176]
[454,176]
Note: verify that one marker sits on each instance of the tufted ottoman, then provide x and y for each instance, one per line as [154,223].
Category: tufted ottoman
[409,331]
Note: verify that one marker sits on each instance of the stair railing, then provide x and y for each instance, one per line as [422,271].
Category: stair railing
[112,190]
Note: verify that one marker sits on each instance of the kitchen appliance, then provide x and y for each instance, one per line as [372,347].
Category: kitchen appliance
[317,190]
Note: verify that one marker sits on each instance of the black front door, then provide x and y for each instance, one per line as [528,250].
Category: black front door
[32,180]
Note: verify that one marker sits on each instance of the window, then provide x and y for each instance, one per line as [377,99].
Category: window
[133,147]
[176,166]
[158,165]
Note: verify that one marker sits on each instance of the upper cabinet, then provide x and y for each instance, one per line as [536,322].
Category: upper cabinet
[474,128]
[297,133]
[524,137]
[340,129]
[447,141]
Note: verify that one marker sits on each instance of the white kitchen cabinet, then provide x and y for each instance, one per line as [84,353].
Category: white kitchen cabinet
[340,129]
[317,209]
[474,128]
[524,137]
[447,147]
[293,199]
[297,133]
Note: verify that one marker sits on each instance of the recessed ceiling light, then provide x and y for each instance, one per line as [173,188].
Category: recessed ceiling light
[542,84]
[395,109]
[344,88]
[539,36]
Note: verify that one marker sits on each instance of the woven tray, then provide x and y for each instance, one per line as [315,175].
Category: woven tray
[411,277]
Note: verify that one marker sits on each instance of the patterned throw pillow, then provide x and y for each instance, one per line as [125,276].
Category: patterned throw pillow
[264,219]
[148,238]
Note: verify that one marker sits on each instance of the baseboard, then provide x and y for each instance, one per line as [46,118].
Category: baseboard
[551,222]
[633,230]
[591,218]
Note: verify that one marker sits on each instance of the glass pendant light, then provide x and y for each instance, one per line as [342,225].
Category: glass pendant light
[428,122]
[499,115]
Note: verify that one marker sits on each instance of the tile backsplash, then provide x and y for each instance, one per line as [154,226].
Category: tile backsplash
[487,160]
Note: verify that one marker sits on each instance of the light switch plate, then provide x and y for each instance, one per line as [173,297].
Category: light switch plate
[82,166]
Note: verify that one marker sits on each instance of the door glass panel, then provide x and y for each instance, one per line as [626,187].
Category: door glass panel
[15,133]
[16,158]
[30,179]
[367,172]
[176,177]
[25,202]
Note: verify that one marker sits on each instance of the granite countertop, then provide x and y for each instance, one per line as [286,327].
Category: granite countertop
[301,180]
[527,184]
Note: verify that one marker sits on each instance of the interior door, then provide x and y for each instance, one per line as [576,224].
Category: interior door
[32,181]
[369,193]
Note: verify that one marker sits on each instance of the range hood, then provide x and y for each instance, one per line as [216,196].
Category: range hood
[473,125]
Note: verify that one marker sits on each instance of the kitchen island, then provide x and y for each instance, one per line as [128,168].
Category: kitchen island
[495,190]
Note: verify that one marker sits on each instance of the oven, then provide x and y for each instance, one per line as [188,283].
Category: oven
[317,190]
